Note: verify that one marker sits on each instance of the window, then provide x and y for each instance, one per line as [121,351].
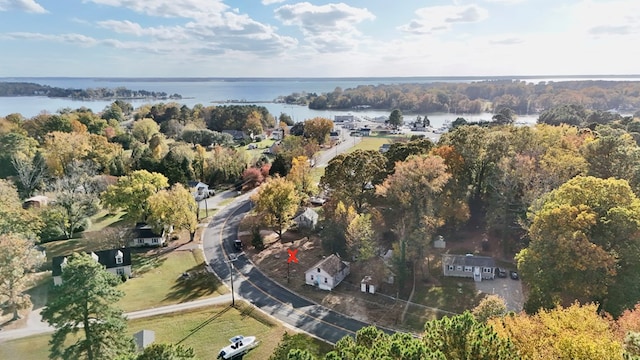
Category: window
[325,280]
[120,271]
[118,259]
[154,240]
[311,277]
[451,267]
[318,269]
[140,241]
[488,270]
[468,269]
[459,268]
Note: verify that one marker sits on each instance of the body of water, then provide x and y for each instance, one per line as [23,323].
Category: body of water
[210,91]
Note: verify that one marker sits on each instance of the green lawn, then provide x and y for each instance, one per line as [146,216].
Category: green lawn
[205,330]
[105,219]
[371,143]
[157,280]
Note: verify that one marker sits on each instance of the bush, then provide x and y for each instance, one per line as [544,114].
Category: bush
[256,238]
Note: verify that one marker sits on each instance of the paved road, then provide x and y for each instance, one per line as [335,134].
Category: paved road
[252,285]
[35,326]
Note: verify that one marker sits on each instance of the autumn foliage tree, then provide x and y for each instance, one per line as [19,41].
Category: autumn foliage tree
[276,202]
[173,207]
[584,245]
[318,129]
[132,192]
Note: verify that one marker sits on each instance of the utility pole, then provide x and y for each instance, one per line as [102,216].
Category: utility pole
[232,258]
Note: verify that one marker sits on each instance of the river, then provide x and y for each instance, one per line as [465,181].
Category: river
[262,91]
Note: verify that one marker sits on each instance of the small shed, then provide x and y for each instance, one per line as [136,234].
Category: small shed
[367,285]
[439,243]
[308,218]
[144,338]
[37,201]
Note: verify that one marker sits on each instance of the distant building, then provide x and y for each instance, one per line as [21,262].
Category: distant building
[344,118]
[308,218]
[327,273]
[116,261]
[37,201]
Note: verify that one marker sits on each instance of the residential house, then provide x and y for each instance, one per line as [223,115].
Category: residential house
[476,267]
[236,134]
[335,136]
[365,131]
[37,201]
[308,218]
[327,273]
[384,148]
[116,261]
[199,190]
[277,134]
[144,235]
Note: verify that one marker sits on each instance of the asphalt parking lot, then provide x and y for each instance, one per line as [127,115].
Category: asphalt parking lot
[508,289]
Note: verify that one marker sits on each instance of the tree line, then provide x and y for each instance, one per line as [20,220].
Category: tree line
[33,89]
[475,97]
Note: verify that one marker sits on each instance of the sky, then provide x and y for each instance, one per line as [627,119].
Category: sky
[283,38]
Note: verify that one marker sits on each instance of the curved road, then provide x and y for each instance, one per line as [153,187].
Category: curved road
[252,285]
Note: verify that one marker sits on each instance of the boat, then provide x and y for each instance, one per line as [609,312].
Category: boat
[239,346]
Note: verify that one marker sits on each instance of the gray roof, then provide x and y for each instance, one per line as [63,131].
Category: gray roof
[464,260]
[144,231]
[332,265]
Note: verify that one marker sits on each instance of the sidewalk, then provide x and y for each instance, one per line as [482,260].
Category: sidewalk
[35,325]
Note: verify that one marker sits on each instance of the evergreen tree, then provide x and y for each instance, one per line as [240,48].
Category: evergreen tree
[81,310]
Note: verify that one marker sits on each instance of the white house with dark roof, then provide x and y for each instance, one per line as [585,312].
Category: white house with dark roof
[476,267]
[327,273]
[307,218]
[115,261]
[144,235]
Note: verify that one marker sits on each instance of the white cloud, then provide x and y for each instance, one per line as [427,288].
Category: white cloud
[269,2]
[327,28]
[506,1]
[618,17]
[193,9]
[22,5]
[70,38]
[440,18]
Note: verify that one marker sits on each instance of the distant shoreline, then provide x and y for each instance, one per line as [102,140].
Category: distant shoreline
[356,78]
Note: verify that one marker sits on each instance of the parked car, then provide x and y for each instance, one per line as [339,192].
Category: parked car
[514,275]
[502,273]
[237,244]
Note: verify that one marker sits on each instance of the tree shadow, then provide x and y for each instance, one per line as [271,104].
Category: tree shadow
[204,324]
[197,284]
[143,261]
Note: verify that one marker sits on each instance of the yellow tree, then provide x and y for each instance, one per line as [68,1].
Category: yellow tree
[253,125]
[318,129]
[277,202]
[300,175]
[62,149]
[132,193]
[18,258]
[575,332]
[144,129]
[173,207]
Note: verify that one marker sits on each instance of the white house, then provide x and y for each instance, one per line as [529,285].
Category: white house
[116,261]
[306,219]
[476,267]
[327,273]
[144,235]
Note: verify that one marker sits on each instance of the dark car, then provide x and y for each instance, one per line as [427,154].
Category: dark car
[237,244]
[502,273]
[514,275]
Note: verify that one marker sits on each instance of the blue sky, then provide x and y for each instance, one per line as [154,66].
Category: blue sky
[283,38]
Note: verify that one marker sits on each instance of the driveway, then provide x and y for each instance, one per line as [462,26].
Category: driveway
[508,289]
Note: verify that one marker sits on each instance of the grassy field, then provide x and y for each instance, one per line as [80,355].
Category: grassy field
[371,143]
[105,219]
[158,281]
[206,331]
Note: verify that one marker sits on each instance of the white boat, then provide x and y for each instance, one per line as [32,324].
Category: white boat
[239,346]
